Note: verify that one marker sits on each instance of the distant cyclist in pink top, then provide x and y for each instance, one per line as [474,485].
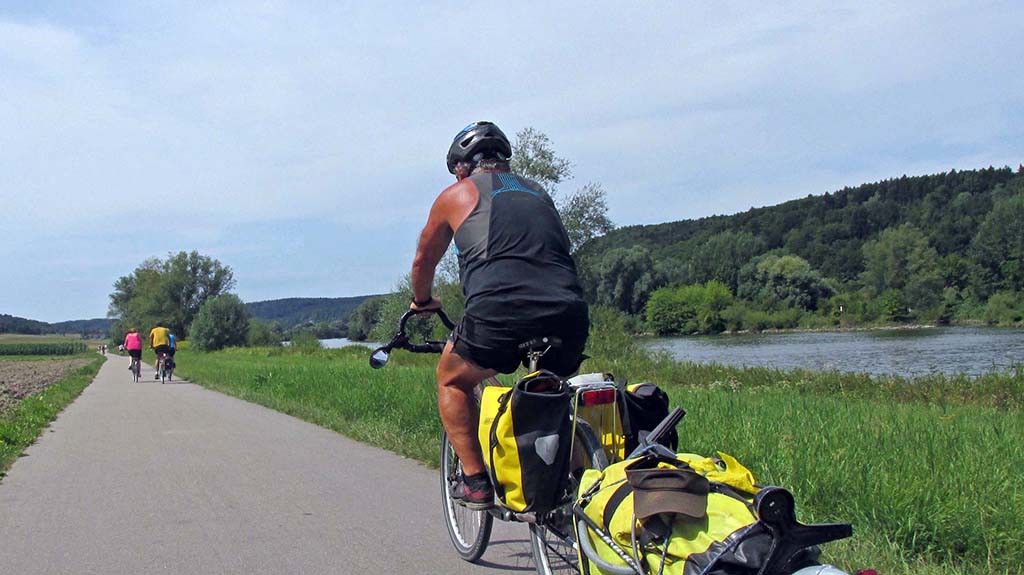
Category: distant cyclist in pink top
[133,343]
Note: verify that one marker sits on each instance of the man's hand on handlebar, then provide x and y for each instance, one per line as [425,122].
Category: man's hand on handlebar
[428,309]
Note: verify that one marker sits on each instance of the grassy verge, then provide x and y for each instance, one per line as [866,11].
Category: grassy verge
[22,425]
[84,355]
[926,470]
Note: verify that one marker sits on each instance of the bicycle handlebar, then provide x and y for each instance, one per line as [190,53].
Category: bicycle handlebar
[379,357]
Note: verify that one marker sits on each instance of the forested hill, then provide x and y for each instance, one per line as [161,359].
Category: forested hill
[969,220]
[287,313]
[291,312]
[97,326]
[15,324]
[20,325]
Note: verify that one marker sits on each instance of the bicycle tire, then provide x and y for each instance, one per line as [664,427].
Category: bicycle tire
[469,529]
[553,537]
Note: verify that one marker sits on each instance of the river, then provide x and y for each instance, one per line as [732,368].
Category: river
[340,342]
[908,352]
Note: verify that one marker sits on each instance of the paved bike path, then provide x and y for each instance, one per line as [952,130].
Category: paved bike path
[147,478]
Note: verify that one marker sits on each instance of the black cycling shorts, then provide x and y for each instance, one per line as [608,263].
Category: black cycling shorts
[171,350]
[496,346]
[162,349]
[135,353]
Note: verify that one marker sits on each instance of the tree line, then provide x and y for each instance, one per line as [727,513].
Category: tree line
[941,248]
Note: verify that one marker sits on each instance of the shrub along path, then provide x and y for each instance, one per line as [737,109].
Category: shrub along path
[151,478]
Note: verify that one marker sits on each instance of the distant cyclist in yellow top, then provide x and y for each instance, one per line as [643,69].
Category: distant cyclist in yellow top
[160,342]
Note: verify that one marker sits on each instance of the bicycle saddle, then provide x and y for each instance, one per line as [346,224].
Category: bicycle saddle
[540,344]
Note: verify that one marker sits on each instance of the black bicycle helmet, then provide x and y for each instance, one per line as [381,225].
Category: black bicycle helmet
[478,138]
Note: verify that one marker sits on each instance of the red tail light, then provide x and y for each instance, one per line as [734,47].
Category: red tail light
[867,572]
[597,397]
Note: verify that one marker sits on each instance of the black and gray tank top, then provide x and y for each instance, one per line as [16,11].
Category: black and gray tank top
[513,253]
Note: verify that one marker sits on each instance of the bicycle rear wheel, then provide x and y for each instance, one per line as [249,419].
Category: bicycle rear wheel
[469,529]
[553,537]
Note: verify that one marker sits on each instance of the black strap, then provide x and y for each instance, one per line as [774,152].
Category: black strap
[730,491]
[618,496]
[503,402]
[620,397]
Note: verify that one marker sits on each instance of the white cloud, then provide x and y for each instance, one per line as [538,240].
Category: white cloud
[226,115]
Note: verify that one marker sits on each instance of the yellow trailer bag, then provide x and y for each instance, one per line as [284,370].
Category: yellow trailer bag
[609,502]
[525,435]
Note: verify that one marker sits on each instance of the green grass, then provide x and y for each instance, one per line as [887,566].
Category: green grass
[20,426]
[43,348]
[926,470]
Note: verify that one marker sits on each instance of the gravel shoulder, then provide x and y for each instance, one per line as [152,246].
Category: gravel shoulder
[20,379]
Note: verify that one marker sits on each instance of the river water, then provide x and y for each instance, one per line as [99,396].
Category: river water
[908,352]
[340,342]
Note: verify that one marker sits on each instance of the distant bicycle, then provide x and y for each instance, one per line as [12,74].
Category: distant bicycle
[136,369]
[164,367]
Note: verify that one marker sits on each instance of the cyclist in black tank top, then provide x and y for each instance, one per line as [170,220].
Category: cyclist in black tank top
[518,277]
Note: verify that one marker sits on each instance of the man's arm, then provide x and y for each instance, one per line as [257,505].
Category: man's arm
[434,240]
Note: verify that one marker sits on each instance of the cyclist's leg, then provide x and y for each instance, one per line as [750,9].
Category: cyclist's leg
[456,380]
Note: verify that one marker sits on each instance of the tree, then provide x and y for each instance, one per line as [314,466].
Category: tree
[188,280]
[585,215]
[998,247]
[364,318]
[533,157]
[623,279]
[786,281]
[170,291]
[263,334]
[221,322]
[901,259]
[722,256]
[585,212]
[689,309]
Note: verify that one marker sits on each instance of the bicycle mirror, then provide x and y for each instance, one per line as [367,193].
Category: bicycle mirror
[379,358]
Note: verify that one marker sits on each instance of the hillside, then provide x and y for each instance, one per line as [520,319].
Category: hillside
[962,225]
[290,312]
[287,312]
[99,326]
[15,324]
[20,325]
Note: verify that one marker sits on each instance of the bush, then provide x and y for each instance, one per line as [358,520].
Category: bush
[1005,308]
[305,342]
[689,309]
[262,334]
[221,322]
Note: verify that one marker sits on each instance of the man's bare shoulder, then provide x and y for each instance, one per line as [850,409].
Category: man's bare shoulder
[458,195]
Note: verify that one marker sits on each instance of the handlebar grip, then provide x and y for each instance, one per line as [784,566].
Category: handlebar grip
[444,319]
[440,314]
[428,347]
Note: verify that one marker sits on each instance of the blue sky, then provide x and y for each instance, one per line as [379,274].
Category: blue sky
[302,143]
